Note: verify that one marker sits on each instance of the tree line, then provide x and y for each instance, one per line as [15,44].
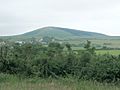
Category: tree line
[58,60]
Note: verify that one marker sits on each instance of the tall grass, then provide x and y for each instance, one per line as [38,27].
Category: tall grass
[11,82]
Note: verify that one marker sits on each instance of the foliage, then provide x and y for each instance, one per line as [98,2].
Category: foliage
[36,60]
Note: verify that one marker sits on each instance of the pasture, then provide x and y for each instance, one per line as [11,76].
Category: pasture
[110,43]
[98,44]
[112,52]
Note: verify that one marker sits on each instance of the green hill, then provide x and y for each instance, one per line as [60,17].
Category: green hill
[58,33]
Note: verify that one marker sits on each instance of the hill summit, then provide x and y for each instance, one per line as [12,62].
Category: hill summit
[58,33]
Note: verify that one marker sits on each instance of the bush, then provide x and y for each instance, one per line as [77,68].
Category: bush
[35,60]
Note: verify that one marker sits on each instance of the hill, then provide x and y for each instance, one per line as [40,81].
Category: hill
[58,33]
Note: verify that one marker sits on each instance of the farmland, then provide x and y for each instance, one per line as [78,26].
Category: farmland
[103,46]
[113,52]
[98,43]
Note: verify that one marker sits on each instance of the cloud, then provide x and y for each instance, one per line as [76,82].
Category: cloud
[19,16]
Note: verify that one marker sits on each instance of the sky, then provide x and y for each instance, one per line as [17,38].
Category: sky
[20,16]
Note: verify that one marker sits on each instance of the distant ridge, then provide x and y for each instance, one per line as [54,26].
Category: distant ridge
[58,33]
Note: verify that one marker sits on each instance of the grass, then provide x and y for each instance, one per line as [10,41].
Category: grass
[10,82]
[111,43]
[113,52]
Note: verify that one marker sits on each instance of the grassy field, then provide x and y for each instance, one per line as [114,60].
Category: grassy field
[9,82]
[98,43]
[111,43]
[113,52]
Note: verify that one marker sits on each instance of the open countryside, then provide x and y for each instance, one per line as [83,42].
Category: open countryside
[38,61]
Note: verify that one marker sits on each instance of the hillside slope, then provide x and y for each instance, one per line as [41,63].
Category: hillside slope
[58,33]
[62,33]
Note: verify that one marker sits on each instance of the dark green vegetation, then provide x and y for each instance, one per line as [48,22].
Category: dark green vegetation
[58,60]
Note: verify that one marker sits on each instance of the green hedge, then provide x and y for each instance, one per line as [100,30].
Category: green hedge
[52,61]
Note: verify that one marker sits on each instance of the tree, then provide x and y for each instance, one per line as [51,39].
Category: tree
[89,48]
[87,45]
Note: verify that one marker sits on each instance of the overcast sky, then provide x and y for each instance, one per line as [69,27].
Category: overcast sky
[19,16]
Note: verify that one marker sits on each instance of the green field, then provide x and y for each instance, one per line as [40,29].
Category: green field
[113,52]
[10,82]
[98,43]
